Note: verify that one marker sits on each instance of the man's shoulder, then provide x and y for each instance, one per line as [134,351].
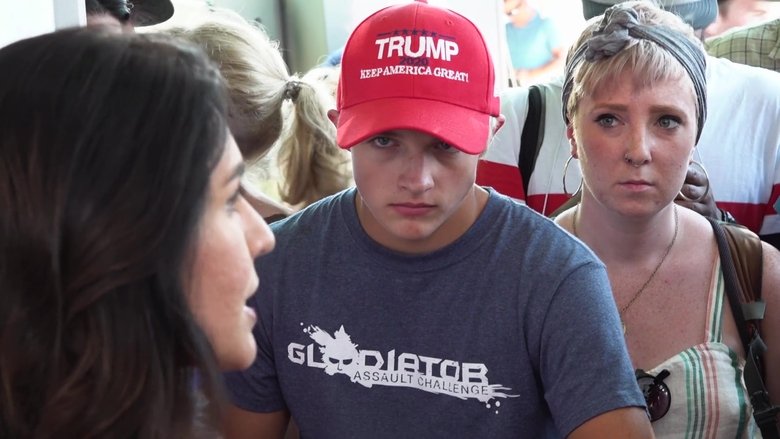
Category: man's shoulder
[513,97]
[315,216]
[763,31]
[528,224]
[722,41]
[513,217]
[753,46]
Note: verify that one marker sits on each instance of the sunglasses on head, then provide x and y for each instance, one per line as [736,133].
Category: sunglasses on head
[657,396]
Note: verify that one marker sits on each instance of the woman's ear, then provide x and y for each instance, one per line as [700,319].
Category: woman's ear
[572,140]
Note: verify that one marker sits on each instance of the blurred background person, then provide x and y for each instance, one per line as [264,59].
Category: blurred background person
[129,14]
[740,13]
[149,12]
[274,114]
[534,42]
[697,13]
[757,45]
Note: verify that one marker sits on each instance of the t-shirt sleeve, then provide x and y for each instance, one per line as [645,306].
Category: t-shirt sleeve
[584,364]
[257,389]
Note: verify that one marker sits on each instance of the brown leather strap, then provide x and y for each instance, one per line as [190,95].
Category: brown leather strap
[748,259]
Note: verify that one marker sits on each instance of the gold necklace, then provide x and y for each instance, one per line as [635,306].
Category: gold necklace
[652,275]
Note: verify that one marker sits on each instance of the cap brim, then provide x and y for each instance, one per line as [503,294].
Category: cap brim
[461,127]
[151,12]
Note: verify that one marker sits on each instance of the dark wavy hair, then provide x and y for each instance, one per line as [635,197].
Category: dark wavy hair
[107,144]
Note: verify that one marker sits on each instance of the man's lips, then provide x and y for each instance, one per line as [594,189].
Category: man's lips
[412,209]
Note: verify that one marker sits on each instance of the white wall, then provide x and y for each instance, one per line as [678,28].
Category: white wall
[23,19]
[265,10]
[188,12]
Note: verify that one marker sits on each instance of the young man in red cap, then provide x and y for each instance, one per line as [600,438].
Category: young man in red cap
[388,310]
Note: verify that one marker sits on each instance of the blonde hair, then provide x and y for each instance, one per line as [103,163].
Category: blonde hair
[270,106]
[649,62]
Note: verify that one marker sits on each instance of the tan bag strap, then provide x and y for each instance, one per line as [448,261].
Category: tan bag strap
[747,254]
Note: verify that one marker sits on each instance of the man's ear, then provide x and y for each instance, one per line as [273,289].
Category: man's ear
[572,140]
[500,120]
[333,115]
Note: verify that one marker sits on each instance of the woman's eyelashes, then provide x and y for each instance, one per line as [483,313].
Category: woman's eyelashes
[669,122]
[606,120]
[233,200]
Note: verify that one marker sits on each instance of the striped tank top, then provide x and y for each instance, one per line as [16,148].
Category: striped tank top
[708,395]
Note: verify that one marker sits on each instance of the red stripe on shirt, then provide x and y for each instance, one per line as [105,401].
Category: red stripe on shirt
[503,178]
[506,179]
[749,215]
[772,200]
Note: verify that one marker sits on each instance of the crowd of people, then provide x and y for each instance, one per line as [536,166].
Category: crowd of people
[410,283]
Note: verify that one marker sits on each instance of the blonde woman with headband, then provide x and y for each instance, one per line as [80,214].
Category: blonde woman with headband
[269,106]
[634,100]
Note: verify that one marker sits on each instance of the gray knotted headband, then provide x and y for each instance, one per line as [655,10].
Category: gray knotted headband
[618,27]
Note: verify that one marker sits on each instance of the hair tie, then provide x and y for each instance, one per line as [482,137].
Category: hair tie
[292,89]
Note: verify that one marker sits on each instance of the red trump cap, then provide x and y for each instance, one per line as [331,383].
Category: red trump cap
[417,67]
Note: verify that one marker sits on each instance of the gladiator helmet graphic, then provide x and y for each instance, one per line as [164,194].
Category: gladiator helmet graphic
[339,354]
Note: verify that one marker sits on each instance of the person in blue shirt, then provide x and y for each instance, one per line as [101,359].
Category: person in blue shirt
[534,42]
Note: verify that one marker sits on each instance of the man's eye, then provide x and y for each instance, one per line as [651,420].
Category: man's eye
[443,146]
[382,142]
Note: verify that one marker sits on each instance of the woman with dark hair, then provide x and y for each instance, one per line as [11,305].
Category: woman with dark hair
[126,249]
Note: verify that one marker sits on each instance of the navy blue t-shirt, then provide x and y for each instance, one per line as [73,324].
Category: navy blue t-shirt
[510,331]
